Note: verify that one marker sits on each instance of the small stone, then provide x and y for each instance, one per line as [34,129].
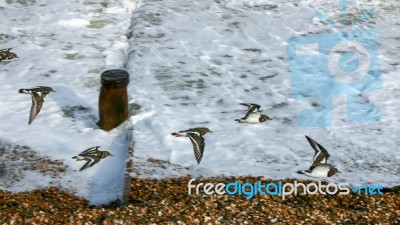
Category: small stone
[228,215]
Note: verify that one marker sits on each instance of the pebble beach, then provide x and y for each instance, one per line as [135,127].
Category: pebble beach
[166,201]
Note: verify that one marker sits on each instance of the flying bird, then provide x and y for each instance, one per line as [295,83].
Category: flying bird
[92,156]
[196,137]
[253,114]
[38,94]
[319,167]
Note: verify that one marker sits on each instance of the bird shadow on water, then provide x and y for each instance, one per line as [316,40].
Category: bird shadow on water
[74,107]
[107,185]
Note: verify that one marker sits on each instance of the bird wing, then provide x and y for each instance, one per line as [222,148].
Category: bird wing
[95,160]
[249,113]
[187,132]
[37,103]
[252,108]
[198,145]
[87,164]
[321,154]
[90,151]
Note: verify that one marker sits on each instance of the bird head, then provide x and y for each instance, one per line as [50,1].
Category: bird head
[6,54]
[106,154]
[332,171]
[264,118]
[206,130]
[202,130]
[45,90]
[11,55]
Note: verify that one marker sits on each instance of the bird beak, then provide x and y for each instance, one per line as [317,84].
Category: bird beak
[111,155]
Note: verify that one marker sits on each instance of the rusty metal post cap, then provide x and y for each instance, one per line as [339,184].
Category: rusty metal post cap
[114,78]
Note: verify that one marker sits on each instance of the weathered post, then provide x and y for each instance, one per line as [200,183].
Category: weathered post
[113,100]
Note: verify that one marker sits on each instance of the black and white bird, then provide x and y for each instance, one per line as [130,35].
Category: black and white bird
[319,167]
[196,137]
[38,94]
[253,114]
[92,156]
[6,55]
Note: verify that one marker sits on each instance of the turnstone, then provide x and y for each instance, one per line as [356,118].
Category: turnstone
[319,167]
[5,54]
[196,137]
[253,114]
[92,156]
[38,94]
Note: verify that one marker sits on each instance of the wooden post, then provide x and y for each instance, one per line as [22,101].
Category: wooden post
[113,100]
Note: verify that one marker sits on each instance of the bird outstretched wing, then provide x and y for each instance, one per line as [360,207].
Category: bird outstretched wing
[252,108]
[89,163]
[198,145]
[321,154]
[37,103]
[90,151]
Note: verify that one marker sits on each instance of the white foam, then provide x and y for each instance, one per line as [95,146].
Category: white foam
[194,62]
